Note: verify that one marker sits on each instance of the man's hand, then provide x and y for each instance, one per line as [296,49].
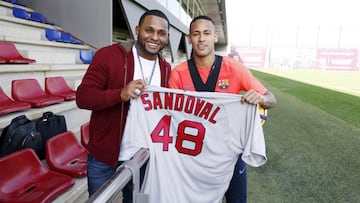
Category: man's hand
[267,101]
[132,90]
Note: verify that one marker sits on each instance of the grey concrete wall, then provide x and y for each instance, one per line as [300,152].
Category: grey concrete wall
[89,20]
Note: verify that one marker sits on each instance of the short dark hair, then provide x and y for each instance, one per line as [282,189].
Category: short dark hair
[154,12]
[202,17]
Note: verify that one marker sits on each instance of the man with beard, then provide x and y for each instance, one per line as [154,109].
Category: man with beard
[116,74]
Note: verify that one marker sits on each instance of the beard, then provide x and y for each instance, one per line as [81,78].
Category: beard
[146,51]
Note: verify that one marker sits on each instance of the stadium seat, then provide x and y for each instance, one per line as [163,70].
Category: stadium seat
[10,54]
[2,60]
[24,178]
[64,154]
[84,134]
[68,38]
[86,56]
[29,90]
[52,35]
[37,17]
[21,13]
[57,86]
[8,105]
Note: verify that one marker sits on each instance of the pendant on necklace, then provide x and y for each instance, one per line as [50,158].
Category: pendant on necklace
[146,80]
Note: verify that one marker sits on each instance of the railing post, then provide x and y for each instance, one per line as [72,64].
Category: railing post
[122,176]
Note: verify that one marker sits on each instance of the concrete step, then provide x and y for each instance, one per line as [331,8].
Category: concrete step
[46,52]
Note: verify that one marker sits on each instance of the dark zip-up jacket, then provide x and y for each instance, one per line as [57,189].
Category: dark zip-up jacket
[110,70]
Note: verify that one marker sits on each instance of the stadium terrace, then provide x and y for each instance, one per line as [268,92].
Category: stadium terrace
[181,102]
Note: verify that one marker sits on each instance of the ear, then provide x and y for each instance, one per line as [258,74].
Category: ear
[216,37]
[137,31]
[188,37]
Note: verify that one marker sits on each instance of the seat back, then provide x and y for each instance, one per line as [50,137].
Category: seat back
[52,35]
[37,17]
[24,178]
[56,85]
[65,154]
[3,97]
[21,13]
[85,134]
[10,54]
[22,167]
[23,89]
[8,50]
[86,56]
[66,37]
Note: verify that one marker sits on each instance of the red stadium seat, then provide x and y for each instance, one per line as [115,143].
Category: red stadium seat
[29,90]
[2,60]
[57,86]
[24,178]
[10,54]
[8,105]
[84,131]
[64,154]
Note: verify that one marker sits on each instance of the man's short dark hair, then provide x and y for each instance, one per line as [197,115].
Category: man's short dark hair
[155,12]
[202,17]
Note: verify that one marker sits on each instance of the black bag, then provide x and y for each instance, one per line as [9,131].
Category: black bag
[49,125]
[21,133]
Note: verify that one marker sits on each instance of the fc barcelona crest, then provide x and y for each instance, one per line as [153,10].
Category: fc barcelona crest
[223,84]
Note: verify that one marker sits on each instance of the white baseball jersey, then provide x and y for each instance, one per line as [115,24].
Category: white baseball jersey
[194,139]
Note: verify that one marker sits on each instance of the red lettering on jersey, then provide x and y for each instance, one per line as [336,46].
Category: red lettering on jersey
[169,98]
[146,101]
[157,101]
[206,111]
[189,104]
[199,104]
[211,119]
[179,102]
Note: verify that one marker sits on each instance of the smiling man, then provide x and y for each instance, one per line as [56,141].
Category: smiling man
[115,75]
[206,71]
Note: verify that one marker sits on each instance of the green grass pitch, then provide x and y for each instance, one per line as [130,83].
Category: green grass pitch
[313,146]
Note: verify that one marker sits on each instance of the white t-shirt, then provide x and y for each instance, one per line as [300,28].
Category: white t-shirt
[194,139]
[144,70]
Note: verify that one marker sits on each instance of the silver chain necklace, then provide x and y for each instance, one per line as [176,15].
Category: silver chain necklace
[146,79]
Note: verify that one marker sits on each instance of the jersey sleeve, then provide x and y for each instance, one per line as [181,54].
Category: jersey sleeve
[254,152]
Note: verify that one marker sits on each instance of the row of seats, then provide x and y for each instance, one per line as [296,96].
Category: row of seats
[51,34]
[60,36]
[10,55]
[34,16]
[32,181]
[27,93]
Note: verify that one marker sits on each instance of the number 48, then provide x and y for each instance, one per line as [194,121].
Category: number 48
[164,126]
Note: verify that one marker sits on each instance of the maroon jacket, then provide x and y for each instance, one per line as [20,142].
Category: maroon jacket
[111,69]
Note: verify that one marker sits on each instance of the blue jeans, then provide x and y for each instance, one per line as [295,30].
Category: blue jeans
[98,173]
[236,192]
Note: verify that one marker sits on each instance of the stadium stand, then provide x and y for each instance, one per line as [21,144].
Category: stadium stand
[27,179]
[7,105]
[29,90]
[65,154]
[57,86]
[10,54]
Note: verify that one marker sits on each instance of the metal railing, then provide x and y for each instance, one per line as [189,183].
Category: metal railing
[129,169]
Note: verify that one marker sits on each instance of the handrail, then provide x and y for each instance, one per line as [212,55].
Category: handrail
[121,177]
